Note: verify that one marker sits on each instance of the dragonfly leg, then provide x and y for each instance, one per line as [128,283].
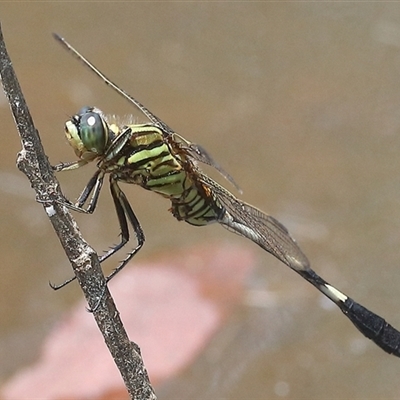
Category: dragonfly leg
[56,287]
[124,211]
[94,185]
[69,165]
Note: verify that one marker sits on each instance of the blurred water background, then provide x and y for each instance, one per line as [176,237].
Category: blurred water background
[300,102]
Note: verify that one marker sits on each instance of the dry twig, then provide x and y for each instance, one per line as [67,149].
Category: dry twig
[33,162]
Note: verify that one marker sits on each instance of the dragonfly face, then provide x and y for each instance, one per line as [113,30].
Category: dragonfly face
[88,133]
[158,159]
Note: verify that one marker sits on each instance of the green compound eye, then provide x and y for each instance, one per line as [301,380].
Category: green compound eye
[92,131]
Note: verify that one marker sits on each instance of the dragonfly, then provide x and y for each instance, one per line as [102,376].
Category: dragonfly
[155,157]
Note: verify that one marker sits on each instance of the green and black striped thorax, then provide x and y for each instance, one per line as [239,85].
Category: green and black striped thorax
[145,155]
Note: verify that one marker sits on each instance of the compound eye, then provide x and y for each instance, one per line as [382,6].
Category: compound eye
[93,132]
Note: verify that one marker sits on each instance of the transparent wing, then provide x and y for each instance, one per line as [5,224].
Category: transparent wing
[195,151]
[262,229]
[152,117]
[199,153]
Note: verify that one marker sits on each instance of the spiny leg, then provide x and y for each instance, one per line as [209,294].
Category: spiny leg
[368,323]
[94,185]
[68,166]
[65,283]
[123,209]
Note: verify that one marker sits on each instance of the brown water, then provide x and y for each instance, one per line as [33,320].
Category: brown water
[299,101]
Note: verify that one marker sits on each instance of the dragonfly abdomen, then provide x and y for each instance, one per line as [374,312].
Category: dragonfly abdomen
[190,201]
[196,205]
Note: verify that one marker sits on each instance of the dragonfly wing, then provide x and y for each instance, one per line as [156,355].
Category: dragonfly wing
[272,236]
[199,153]
[262,229]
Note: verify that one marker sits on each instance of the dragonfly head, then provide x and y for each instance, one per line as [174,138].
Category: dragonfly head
[88,134]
